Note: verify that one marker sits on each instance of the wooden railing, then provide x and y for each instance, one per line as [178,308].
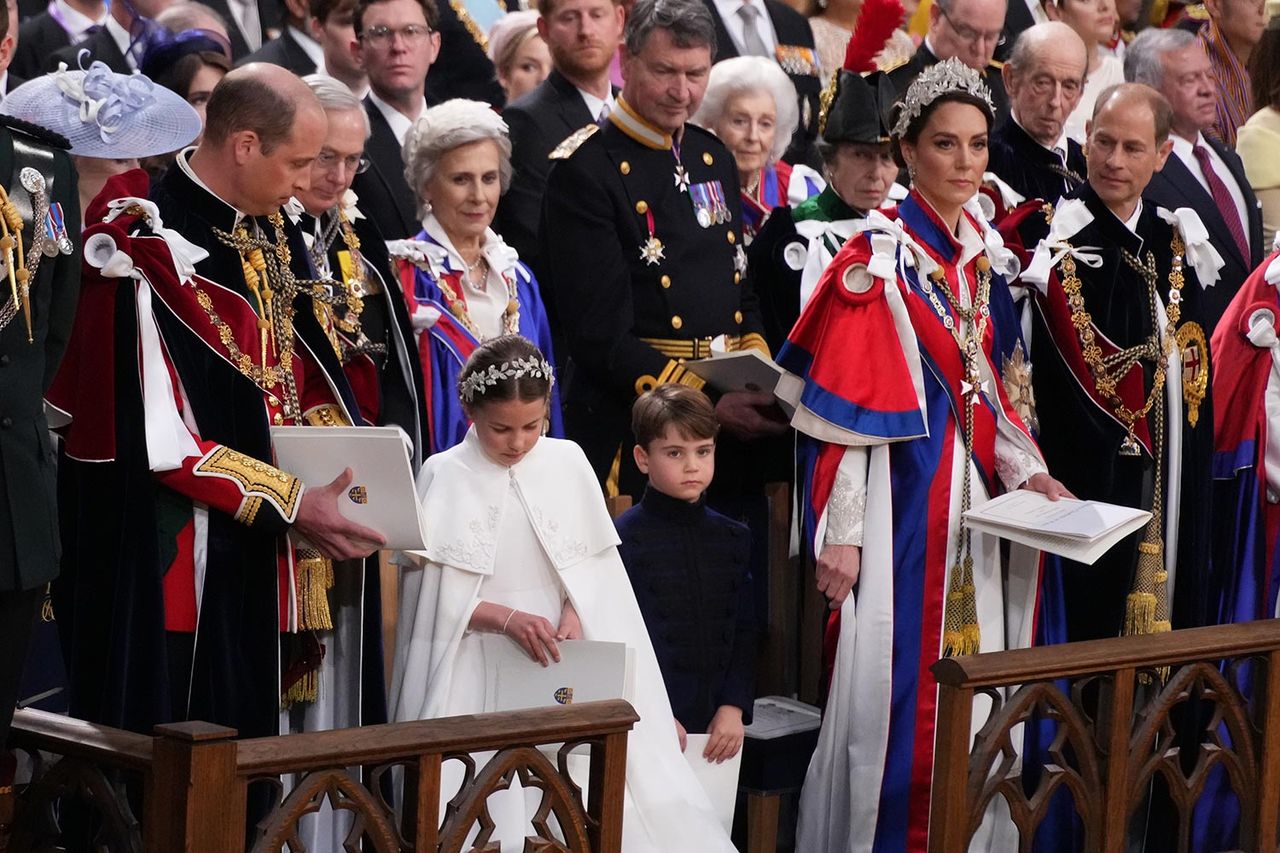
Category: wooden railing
[195,784]
[1130,712]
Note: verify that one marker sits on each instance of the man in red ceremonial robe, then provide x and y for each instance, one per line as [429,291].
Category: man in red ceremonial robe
[185,594]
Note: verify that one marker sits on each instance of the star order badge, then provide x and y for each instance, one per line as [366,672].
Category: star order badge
[651,252]
[1015,374]
[1195,368]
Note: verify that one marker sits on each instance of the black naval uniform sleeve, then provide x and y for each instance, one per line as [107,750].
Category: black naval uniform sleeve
[29,544]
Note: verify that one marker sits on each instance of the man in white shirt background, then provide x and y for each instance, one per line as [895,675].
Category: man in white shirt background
[396,42]
[294,49]
[119,42]
[583,36]
[1201,174]
[62,23]
[333,30]
[772,29]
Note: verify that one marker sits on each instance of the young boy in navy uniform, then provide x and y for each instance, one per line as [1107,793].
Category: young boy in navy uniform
[689,567]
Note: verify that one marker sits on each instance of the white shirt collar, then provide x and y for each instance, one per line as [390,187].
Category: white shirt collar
[309,46]
[76,20]
[1132,222]
[399,122]
[728,11]
[184,163]
[1184,147]
[595,105]
[123,41]
[4,83]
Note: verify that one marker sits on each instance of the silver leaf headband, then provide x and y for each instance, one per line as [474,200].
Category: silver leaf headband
[481,381]
[941,78]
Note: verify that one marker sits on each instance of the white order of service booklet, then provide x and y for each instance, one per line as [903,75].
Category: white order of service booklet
[720,781]
[381,496]
[1078,530]
[588,671]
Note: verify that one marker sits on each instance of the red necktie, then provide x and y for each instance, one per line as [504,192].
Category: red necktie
[1222,198]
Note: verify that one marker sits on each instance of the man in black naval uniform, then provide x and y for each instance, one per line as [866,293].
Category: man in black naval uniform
[969,30]
[1044,77]
[34,330]
[642,236]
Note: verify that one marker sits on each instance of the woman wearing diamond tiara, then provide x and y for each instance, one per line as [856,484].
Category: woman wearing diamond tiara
[528,555]
[463,284]
[932,423]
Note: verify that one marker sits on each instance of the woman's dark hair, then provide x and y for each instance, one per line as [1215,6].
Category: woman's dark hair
[1264,68]
[509,367]
[178,76]
[917,125]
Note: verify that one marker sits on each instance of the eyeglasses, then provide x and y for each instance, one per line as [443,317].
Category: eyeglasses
[971,35]
[412,34]
[355,164]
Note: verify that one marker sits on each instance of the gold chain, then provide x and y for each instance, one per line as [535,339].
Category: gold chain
[458,307]
[961,630]
[1104,379]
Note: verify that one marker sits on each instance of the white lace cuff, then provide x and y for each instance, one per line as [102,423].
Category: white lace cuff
[1015,466]
[845,512]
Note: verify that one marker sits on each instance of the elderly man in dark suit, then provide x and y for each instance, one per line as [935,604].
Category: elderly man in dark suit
[1045,80]
[33,336]
[773,29]
[396,41]
[582,36]
[1201,174]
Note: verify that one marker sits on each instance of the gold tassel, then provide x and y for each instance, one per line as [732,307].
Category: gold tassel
[305,689]
[1139,613]
[315,579]
[962,634]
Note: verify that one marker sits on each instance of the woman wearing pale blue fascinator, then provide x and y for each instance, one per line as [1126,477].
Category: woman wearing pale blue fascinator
[111,119]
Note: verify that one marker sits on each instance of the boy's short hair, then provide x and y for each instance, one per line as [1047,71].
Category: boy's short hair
[685,408]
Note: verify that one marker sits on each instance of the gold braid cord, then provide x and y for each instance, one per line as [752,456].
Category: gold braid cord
[274,286]
[1147,604]
[16,265]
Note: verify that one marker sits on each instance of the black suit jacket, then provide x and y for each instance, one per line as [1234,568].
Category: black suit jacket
[284,51]
[539,121]
[12,82]
[902,76]
[38,39]
[1030,168]
[1175,186]
[792,30]
[268,23]
[385,196]
[101,46]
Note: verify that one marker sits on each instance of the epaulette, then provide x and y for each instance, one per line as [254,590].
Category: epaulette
[36,132]
[696,129]
[571,142]
[1196,12]
[895,64]
[996,64]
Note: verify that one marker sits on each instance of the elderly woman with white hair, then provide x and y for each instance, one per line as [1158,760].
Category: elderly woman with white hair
[751,105]
[463,284]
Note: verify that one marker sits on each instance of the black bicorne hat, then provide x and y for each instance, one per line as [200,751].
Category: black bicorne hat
[854,104]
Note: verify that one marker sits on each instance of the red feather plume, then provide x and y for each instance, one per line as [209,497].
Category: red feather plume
[876,22]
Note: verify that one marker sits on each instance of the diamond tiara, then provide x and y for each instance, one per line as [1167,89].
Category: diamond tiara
[941,78]
[482,380]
